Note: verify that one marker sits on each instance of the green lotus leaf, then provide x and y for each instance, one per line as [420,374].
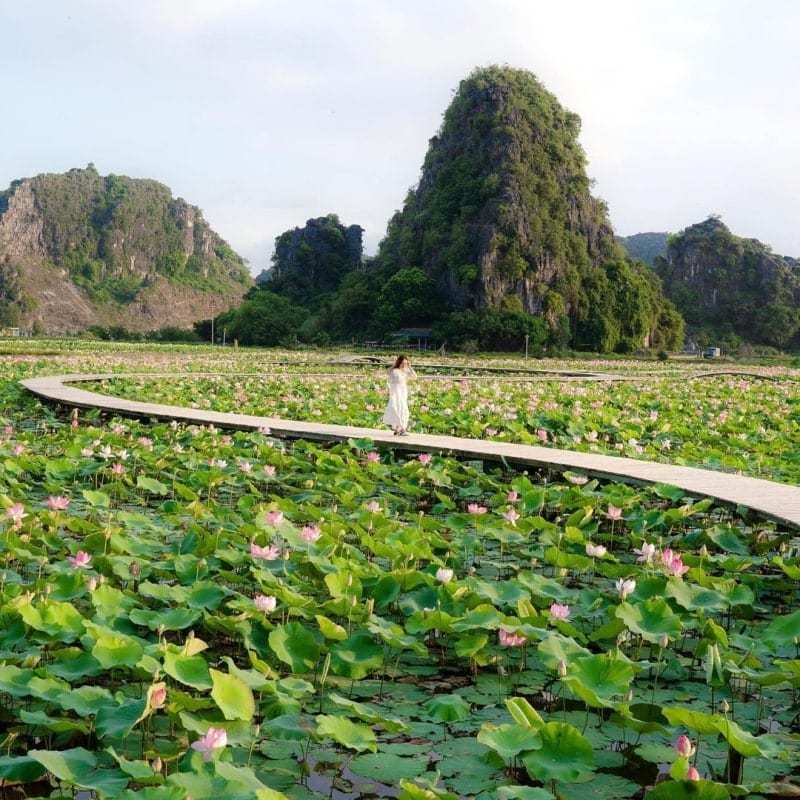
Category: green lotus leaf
[232,696]
[170,619]
[790,570]
[138,770]
[113,650]
[207,595]
[483,617]
[745,743]
[697,721]
[330,629]
[356,657]
[87,700]
[565,754]
[471,644]
[20,682]
[60,621]
[508,740]
[694,598]
[352,735]
[56,724]
[523,793]
[21,769]
[78,767]
[782,631]
[447,708]
[597,679]
[151,485]
[411,791]
[295,645]
[96,499]
[557,648]
[367,714]
[689,790]
[288,728]
[119,720]
[393,635]
[546,589]
[190,670]
[652,619]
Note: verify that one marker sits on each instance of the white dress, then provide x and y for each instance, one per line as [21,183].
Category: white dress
[396,413]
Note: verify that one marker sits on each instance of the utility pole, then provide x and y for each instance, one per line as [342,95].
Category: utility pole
[212,321]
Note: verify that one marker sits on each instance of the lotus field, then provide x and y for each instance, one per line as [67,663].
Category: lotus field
[189,612]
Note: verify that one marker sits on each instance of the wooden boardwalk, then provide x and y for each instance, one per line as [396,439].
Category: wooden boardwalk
[774,501]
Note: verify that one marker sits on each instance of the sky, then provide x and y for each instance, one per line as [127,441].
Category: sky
[266,113]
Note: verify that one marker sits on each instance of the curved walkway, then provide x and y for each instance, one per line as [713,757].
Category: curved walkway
[775,501]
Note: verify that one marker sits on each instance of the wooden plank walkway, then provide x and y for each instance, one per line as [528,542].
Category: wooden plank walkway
[774,501]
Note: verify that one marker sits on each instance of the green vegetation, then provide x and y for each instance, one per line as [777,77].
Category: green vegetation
[731,290]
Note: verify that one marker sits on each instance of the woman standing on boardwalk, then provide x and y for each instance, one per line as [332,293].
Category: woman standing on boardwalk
[396,413]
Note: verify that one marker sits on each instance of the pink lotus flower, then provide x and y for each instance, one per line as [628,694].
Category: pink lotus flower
[646,552]
[512,496]
[509,639]
[16,514]
[673,564]
[614,512]
[215,739]
[559,611]
[424,458]
[511,516]
[269,553]
[158,696]
[146,442]
[374,506]
[595,550]
[684,746]
[81,560]
[692,774]
[373,457]
[246,467]
[541,434]
[578,480]
[625,587]
[310,533]
[274,518]
[474,508]
[269,470]
[18,449]
[117,468]
[57,503]
[265,603]
[444,575]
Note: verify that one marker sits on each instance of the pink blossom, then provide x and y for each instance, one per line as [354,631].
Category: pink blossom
[146,442]
[512,496]
[474,508]
[269,553]
[673,564]
[541,434]
[16,513]
[684,746]
[614,512]
[215,739]
[18,449]
[595,550]
[269,470]
[511,516]
[374,506]
[57,503]
[310,533]
[246,467]
[373,457]
[424,458]
[509,639]
[117,468]
[274,518]
[81,560]
[444,575]
[559,611]
[265,603]
[692,774]
[578,480]
[158,696]
[646,552]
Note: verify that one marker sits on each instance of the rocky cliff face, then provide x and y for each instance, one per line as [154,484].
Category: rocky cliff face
[80,249]
[720,280]
[319,254]
[503,207]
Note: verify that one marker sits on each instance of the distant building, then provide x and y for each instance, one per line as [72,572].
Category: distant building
[712,352]
[414,338]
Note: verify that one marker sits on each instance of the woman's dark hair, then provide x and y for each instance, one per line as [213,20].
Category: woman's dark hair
[400,359]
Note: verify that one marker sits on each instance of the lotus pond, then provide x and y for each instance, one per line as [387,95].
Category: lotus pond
[188,612]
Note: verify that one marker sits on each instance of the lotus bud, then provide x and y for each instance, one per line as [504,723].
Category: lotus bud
[724,707]
[562,669]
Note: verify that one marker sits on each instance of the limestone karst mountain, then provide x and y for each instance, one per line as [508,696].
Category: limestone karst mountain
[80,249]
